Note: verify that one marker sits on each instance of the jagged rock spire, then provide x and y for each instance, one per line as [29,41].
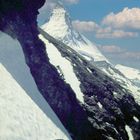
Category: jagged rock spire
[60,27]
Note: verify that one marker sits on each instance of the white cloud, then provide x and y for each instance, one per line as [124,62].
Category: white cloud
[131,55]
[100,32]
[119,52]
[85,26]
[128,18]
[118,25]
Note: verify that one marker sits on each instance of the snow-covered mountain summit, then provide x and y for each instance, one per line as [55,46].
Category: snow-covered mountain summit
[60,27]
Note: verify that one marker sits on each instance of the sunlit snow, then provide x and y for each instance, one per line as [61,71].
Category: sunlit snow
[20,117]
[136,119]
[60,27]
[129,132]
[64,67]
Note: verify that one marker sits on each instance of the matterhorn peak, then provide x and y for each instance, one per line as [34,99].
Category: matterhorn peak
[58,21]
[60,11]
[60,27]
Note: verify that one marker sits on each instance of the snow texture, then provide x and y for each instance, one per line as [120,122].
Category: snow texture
[136,119]
[129,132]
[64,67]
[60,27]
[24,114]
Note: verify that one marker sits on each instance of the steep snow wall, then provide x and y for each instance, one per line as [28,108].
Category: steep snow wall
[21,117]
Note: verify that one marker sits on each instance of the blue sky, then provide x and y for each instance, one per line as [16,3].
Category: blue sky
[117,34]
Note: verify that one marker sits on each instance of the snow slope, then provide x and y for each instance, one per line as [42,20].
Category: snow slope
[64,68]
[20,117]
[131,73]
[24,114]
[60,27]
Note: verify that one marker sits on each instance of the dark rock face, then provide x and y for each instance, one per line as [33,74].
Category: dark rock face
[118,105]
[11,10]
[18,19]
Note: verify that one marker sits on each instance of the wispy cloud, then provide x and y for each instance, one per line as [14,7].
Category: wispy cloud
[111,33]
[131,55]
[102,32]
[111,49]
[85,26]
[119,52]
